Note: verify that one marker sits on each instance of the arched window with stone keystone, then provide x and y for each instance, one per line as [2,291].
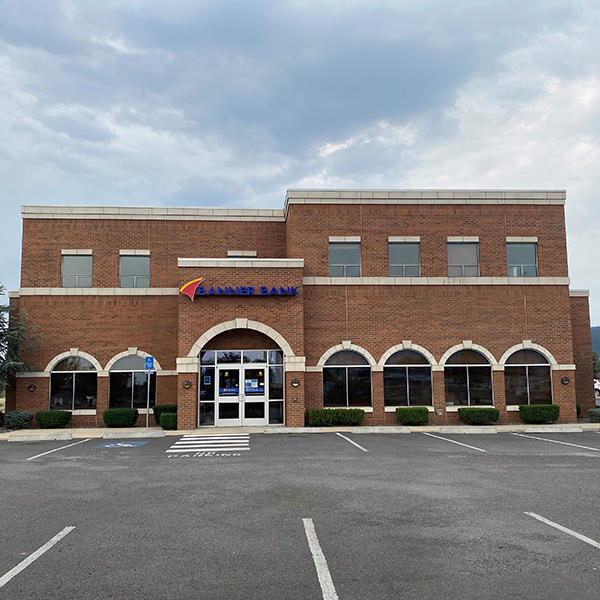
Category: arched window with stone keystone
[346,380]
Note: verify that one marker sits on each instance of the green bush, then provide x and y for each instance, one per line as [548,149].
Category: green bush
[159,409]
[412,415]
[330,417]
[168,420]
[578,410]
[1,418]
[476,415]
[594,414]
[18,419]
[49,419]
[120,417]
[539,413]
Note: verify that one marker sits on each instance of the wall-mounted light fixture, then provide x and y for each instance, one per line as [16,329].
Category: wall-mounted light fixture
[565,380]
[295,383]
[32,387]
[187,384]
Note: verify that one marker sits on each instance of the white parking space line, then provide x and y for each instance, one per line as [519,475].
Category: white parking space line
[325,581]
[533,437]
[353,443]
[57,449]
[439,437]
[34,556]
[579,536]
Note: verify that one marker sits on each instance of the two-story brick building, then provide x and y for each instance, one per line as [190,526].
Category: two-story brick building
[372,299]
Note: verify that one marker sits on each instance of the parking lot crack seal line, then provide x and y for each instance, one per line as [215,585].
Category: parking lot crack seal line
[325,581]
[533,437]
[353,443]
[57,449]
[439,437]
[579,536]
[34,556]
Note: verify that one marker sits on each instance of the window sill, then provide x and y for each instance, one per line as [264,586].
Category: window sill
[367,409]
[83,411]
[145,411]
[392,409]
[512,408]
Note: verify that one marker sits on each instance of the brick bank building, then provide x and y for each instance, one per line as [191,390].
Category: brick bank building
[349,298]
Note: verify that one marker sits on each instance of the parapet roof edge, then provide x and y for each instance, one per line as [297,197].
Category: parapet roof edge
[300,196]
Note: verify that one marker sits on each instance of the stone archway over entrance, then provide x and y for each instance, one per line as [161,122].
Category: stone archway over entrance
[240,323]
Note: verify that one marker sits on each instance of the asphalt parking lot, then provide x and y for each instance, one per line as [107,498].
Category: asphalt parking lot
[303,517]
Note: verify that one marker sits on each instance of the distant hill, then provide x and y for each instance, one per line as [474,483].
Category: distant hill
[596,339]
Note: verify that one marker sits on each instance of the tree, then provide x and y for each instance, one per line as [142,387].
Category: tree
[596,362]
[17,338]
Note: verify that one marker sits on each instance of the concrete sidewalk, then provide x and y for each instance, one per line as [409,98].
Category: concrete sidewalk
[31,435]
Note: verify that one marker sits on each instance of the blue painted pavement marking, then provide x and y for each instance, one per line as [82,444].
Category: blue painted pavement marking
[121,444]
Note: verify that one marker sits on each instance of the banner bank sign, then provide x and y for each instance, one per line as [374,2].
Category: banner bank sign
[194,288]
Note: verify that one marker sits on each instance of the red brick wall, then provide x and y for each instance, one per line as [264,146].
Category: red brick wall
[582,352]
[103,326]
[437,318]
[309,226]
[43,240]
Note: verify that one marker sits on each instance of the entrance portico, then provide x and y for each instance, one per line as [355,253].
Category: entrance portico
[241,375]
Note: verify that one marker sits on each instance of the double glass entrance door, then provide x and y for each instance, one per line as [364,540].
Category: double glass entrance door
[241,395]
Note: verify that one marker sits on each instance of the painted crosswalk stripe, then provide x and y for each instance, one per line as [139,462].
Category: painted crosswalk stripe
[211,443]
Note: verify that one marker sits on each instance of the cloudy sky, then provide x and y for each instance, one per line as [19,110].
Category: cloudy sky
[229,103]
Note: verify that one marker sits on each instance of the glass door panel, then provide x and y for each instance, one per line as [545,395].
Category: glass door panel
[254,396]
[229,397]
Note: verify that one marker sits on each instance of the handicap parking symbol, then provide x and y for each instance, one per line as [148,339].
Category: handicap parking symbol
[121,444]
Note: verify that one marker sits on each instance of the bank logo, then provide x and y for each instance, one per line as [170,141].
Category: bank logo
[189,288]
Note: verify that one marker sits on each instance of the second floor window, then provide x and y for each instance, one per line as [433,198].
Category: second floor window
[463,259]
[521,259]
[404,259]
[135,271]
[76,271]
[344,259]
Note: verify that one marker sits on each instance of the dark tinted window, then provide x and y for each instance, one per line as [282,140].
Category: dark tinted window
[527,357]
[74,363]
[130,363]
[346,357]
[467,357]
[407,357]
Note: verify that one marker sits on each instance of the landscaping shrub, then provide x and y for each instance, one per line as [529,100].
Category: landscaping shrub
[159,409]
[1,419]
[49,419]
[578,410]
[330,417]
[168,420]
[539,413]
[120,417]
[476,415]
[594,414]
[412,415]
[18,419]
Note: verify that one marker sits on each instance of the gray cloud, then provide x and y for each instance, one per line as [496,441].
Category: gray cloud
[225,102]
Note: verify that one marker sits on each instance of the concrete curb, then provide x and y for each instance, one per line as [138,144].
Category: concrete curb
[39,437]
[296,430]
[382,429]
[554,429]
[146,433]
[469,429]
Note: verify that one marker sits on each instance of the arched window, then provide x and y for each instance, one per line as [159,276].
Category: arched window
[128,383]
[73,384]
[347,380]
[527,378]
[468,379]
[407,380]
